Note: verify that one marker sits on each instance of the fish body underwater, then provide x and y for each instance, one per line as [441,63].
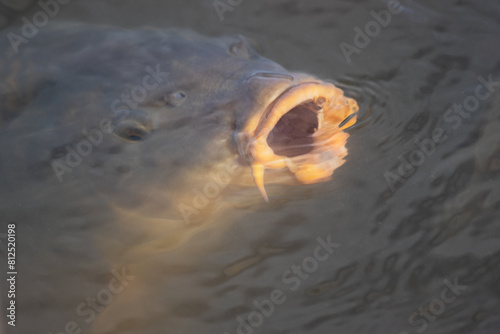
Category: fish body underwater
[133,133]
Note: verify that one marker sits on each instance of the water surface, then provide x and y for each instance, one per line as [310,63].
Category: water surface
[402,237]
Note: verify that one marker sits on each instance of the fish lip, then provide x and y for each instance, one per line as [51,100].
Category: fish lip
[328,149]
[271,108]
[271,75]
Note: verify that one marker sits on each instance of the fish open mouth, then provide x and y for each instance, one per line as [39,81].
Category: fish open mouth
[301,130]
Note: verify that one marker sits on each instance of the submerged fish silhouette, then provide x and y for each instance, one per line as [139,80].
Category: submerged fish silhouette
[135,107]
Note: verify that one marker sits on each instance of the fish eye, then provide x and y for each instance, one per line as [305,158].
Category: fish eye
[131,131]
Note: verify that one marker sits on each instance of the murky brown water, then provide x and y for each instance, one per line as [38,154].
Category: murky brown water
[415,250]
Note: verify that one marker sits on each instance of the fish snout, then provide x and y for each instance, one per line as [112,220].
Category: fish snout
[302,130]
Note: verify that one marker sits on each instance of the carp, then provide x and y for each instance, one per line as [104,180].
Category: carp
[135,109]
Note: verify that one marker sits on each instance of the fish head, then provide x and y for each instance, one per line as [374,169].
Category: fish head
[282,120]
[279,120]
